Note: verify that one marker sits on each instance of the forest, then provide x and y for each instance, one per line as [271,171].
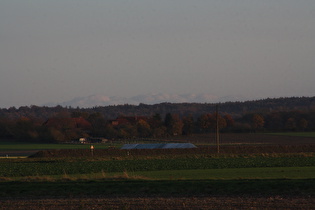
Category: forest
[66,124]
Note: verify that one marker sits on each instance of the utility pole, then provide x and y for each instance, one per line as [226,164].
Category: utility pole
[217,132]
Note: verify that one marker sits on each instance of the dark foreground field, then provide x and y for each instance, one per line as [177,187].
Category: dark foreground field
[195,194]
[176,194]
[201,202]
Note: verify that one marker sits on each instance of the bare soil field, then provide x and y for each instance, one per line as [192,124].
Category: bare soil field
[16,153]
[221,202]
[248,138]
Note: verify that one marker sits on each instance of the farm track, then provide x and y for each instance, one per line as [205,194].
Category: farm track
[214,202]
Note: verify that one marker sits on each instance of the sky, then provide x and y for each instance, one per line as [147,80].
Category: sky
[54,51]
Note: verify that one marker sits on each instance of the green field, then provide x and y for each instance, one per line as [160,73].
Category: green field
[42,167]
[298,134]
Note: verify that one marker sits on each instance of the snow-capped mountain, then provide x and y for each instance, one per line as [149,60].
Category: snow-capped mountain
[101,100]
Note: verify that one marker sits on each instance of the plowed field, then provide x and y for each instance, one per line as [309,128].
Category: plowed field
[163,203]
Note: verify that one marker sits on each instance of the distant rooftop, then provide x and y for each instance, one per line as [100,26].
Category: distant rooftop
[159,146]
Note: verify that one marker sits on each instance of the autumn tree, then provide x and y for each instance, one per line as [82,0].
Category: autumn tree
[110,132]
[155,121]
[57,135]
[127,131]
[98,123]
[222,122]
[143,128]
[158,128]
[188,125]
[6,128]
[290,124]
[208,122]
[274,121]
[159,132]
[25,129]
[303,123]
[229,120]
[77,114]
[257,122]
[204,122]
[173,124]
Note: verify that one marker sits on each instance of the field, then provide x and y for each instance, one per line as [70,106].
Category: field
[251,171]
[298,134]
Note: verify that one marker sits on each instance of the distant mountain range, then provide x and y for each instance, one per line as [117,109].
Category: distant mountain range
[102,100]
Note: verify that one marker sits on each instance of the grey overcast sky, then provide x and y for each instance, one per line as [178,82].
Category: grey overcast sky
[53,51]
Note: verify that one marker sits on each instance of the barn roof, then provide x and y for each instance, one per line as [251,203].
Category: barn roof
[159,146]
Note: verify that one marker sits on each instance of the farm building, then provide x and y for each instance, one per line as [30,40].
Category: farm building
[92,140]
[159,146]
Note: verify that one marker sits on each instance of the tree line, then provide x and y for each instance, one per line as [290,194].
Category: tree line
[236,109]
[66,127]
[61,124]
